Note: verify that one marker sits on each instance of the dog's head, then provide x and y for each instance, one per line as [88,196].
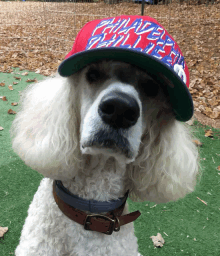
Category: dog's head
[113,110]
[118,103]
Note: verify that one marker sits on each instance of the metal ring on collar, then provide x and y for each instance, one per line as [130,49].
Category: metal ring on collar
[118,228]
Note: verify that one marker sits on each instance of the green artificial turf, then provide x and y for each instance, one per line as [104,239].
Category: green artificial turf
[18,183]
[188,226]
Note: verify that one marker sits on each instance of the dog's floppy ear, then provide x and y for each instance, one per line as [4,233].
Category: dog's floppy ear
[167,167]
[41,130]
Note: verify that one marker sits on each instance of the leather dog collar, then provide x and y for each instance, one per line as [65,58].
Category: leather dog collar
[106,224]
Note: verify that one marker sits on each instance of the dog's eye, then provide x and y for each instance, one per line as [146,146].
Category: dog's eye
[149,87]
[93,75]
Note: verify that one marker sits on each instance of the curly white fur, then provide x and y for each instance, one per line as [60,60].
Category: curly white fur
[57,117]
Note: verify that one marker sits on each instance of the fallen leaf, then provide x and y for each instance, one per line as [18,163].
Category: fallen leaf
[3,98]
[3,230]
[10,111]
[218,167]
[1,128]
[2,84]
[197,143]
[17,78]
[158,240]
[215,114]
[14,103]
[25,74]
[209,133]
[10,88]
[31,80]
[15,83]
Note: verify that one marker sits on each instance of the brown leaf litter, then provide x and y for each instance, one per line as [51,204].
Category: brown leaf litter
[38,37]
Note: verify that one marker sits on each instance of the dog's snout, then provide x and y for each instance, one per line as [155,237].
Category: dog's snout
[119,110]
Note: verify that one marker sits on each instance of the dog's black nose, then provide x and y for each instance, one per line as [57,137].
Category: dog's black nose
[119,110]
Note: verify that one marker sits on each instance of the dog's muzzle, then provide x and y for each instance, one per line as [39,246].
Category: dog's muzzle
[119,110]
[111,127]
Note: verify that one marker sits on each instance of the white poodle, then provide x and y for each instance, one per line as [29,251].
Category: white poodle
[100,132]
[64,132]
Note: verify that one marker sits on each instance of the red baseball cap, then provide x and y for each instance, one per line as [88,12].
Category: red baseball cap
[138,40]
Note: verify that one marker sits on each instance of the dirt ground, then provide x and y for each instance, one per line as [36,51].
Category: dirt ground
[37,36]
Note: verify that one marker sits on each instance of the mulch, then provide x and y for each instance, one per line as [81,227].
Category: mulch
[36,36]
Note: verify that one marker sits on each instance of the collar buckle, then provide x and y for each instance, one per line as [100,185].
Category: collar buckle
[112,223]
